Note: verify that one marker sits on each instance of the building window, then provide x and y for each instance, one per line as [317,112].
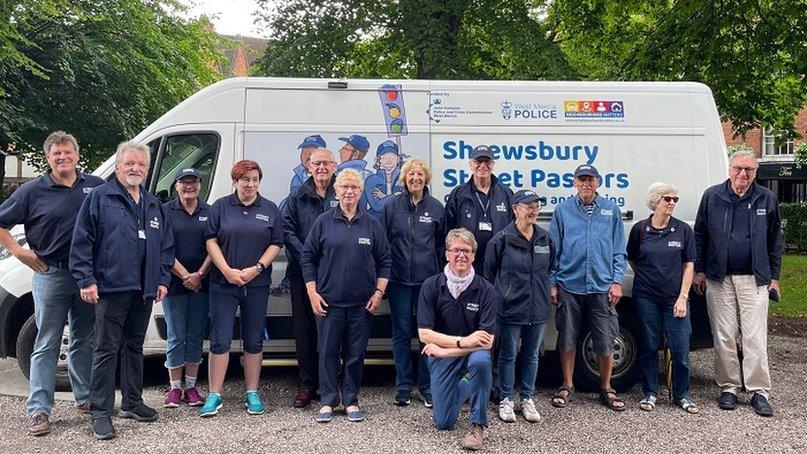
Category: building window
[773,145]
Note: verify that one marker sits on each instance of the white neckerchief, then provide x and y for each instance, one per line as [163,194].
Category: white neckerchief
[456,284]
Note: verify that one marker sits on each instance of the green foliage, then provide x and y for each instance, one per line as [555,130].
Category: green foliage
[801,153]
[794,220]
[452,39]
[793,283]
[750,52]
[100,70]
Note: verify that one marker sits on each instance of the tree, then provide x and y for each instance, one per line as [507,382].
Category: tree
[751,53]
[100,70]
[448,39]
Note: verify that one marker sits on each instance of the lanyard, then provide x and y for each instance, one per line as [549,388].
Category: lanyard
[484,206]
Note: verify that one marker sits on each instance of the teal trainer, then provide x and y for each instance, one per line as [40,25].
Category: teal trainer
[212,405]
[253,403]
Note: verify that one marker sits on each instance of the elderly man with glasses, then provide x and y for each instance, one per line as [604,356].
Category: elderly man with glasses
[738,241]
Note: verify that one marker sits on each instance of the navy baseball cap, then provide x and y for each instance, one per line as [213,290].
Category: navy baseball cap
[483,152]
[527,196]
[387,146]
[187,172]
[315,141]
[586,170]
[358,142]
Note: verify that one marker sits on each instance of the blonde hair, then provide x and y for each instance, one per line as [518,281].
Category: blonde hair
[656,190]
[350,174]
[407,166]
[463,235]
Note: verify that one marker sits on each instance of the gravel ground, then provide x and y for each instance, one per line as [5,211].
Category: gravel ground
[584,426]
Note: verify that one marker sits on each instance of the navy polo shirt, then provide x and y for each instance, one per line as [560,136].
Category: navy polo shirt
[189,240]
[244,233]
[48,211]
[474,310]
[739,253]
[658,257]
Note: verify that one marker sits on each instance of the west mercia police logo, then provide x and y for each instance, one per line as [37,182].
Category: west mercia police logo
[507,110]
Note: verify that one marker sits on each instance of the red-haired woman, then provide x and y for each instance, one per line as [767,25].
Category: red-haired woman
[243,236]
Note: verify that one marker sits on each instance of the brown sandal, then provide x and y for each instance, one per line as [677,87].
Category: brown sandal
[609,398]
[562,396]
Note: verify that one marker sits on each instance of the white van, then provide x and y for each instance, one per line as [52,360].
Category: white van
[635,133]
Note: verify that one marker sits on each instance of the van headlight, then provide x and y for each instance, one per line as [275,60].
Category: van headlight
[19,238]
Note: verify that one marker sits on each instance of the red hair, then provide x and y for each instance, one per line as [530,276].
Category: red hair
[240,169]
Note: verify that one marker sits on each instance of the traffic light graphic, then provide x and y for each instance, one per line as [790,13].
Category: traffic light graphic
[392,104]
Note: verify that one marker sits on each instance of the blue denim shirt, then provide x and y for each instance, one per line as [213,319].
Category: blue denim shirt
[590,248]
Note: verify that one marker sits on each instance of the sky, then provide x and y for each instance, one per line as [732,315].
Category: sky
[229,17]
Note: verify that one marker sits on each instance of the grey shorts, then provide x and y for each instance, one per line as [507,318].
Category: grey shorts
[598,315]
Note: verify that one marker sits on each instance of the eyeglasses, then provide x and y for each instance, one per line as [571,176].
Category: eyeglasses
[465,252]
[486,162]
[322,163]
[669,199]
[349,187]
[748,170]
[189,183]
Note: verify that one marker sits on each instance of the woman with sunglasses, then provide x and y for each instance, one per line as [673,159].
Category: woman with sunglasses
[661,251]
[517,263]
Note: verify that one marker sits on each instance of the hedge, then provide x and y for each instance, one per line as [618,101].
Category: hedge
[794,224]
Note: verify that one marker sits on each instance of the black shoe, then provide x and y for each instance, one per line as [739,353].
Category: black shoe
[495,396]
[403,398]
[761,405]
[102,428]
[727,401]
[141,413]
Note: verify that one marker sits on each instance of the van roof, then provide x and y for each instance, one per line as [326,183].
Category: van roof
[224,101]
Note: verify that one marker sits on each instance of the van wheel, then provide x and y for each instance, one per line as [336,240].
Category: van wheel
[25,346]
[625,372]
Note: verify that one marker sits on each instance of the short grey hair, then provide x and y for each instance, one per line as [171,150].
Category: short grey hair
[656,190]
[131,145]
[350,174]
[59,137]
[742,153]
[463,235]
[323,150]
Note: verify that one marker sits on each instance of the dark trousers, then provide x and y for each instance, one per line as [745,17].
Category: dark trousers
[450,388]
[305,334]
[121,320]
[403,302]
[343,335]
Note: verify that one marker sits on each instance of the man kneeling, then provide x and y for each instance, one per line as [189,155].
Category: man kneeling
[456,320]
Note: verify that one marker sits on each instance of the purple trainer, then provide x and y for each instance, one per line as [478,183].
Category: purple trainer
[193,398]
[172,398]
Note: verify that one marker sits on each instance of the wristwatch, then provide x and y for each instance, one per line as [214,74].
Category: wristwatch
[259,266]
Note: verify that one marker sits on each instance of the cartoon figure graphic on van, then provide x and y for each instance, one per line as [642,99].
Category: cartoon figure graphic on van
[384,183]
[306,147]
[352,154]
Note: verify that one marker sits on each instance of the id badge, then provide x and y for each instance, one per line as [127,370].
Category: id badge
[485,227]
[141,234]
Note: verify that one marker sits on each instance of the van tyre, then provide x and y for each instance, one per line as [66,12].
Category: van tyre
[25,346]
[626,352]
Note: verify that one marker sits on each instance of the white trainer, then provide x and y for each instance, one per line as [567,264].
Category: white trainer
[529,411]
[507,412]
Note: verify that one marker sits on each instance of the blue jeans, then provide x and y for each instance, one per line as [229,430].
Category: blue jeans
[531,337]
[56,299]
[449,391]
[652,314]
[186,320]
[402,305]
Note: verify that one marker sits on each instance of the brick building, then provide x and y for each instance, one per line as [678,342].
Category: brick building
[777,167]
